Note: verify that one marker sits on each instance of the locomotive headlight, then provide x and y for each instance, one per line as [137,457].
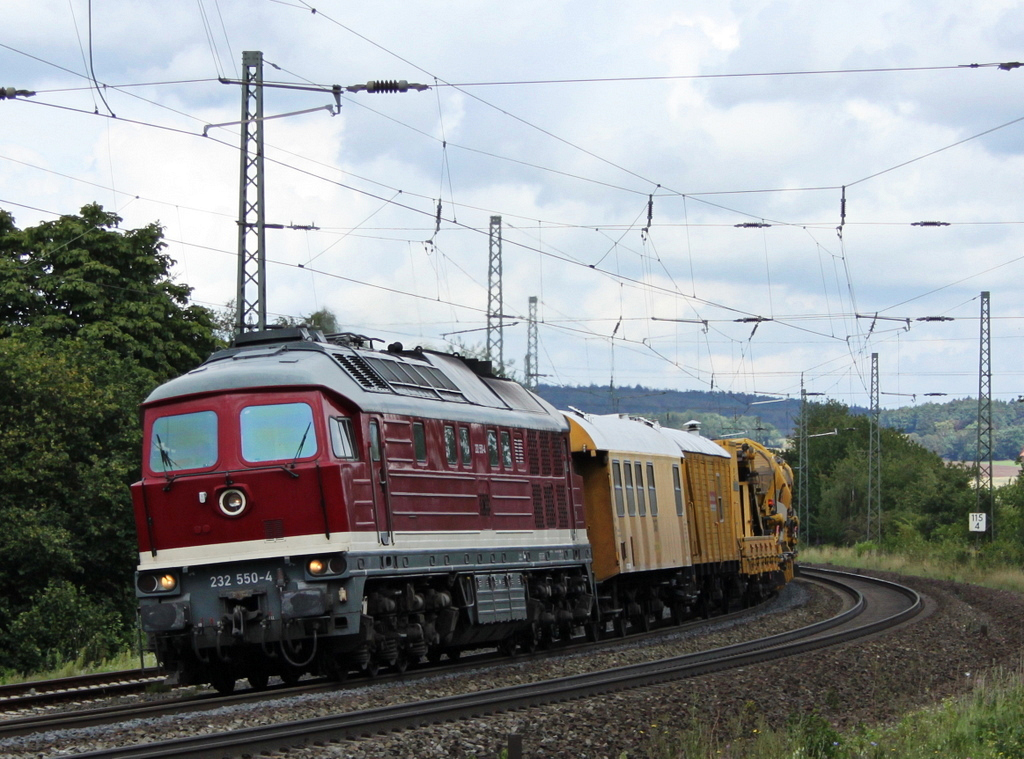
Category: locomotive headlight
[327,566]
[153,583]
[232,503]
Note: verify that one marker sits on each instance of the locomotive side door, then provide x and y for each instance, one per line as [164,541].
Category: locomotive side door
[380,485]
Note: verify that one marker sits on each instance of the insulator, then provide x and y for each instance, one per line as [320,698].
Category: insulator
[388,85]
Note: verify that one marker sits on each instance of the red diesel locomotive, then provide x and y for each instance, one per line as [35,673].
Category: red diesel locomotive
[309,505]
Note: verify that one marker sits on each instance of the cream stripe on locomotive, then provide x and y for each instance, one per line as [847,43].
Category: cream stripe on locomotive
[367,543]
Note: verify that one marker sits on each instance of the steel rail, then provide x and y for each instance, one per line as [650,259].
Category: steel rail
[361,723]
[102,715]
[18,695]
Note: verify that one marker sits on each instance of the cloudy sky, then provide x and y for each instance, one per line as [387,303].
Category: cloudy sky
[667,173]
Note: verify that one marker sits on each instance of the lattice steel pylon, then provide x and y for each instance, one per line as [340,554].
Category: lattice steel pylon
[983,482]
[251,296]
[495,328]
[874,530]
[532,373]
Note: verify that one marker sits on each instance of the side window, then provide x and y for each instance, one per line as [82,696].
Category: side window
[467,451]
[341,438]
[718,498]
[678,488]
[374,442]
[419,442]
[506,450]
[652,492]
[620,508]
[492,448]
[451,447]
[630,496]
[641,502]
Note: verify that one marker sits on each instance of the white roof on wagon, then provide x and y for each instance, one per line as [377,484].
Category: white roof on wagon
[621,432]
[691,441]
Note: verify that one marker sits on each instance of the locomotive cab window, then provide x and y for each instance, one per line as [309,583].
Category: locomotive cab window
[374,441]
[277,432]
[341,438]
[183,441]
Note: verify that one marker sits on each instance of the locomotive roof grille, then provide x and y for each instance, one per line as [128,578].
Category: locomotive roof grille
[382,375]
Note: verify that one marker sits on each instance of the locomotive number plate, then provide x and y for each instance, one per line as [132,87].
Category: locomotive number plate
[239,579]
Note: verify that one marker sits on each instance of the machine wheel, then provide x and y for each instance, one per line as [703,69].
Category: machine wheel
[258,680]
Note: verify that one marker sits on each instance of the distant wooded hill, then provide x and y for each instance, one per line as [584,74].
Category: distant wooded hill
[949,429]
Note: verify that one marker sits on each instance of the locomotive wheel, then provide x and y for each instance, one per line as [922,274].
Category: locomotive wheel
[290,676]
[258,680]
[508,646]
[434,655]
[401,664]
[620,626]
[593,631]
[223,682]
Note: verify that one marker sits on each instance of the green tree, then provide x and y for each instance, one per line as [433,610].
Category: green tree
[918,489]
[90,321]
[80,276]
[69,439]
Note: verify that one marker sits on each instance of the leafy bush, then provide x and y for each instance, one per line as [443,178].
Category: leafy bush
[61,626]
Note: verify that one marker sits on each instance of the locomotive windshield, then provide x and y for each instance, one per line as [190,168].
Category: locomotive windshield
[184,441]
[277,432]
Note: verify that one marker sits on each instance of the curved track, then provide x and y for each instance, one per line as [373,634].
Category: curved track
[871,607]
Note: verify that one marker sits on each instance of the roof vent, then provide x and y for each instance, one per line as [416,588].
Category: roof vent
[281,335]
[693,427]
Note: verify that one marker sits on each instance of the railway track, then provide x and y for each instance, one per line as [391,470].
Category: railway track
[44,692]
[19,725]
[872,607]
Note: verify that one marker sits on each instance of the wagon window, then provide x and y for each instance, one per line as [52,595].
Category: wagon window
[183,441]
[640,488]
[678,489]
[341,438]
[620,509]
[419,441]
[492,447]
[451,446]
[630,496]
[277,432]
[652,492]
[467,451]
